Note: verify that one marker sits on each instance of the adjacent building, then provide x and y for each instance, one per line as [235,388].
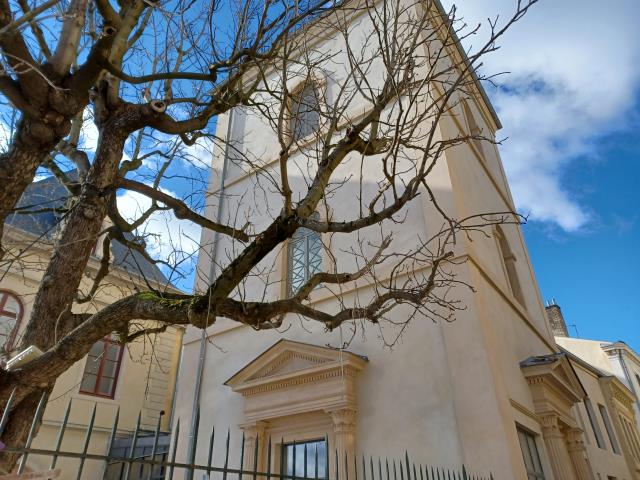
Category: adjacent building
[609,411]
[136,379]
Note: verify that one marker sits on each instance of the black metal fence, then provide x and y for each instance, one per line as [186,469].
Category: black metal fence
[151,455]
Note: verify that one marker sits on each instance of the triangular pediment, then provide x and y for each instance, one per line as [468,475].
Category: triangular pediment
[288,362]
[555,369]
[287,357]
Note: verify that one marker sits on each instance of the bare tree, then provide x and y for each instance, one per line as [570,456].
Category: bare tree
[156,75]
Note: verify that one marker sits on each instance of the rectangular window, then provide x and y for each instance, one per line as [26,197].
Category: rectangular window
[305,459]
[609,428]
[530,454]
[594,423]
[305,258]
[102,368]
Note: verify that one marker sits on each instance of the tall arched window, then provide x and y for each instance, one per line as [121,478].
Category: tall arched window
[509,262]
[305,257]
[11,312]
[473,127]
[304,111]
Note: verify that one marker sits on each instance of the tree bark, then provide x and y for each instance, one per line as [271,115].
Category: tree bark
[17,428]
[32,143]
[80,232]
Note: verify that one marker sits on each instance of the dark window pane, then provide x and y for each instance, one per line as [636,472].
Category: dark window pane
[106,386]
[305,115]
[113,352]
[88,383]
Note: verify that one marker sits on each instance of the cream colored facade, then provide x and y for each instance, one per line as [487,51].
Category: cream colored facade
[449,393]
[605,415]
[145,382]
[613,358]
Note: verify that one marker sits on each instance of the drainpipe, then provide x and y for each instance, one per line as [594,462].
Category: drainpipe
[627,376]
[212,271]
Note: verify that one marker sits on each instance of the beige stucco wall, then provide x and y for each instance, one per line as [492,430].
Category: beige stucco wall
[144,385]
[605,462]
[449,393]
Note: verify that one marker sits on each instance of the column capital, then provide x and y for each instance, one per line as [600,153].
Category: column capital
[254,429]
[550,425]
[343,420]
[575,439]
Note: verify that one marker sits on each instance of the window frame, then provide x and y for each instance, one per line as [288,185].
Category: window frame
[595,426]
[284,459]
[108,340]
[529,435]
[613,440]
[509,260]
[319,84]
[5,294]
[306,235]
[473,127]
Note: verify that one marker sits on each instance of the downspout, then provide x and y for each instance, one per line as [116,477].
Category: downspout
[628,377]
[212,271]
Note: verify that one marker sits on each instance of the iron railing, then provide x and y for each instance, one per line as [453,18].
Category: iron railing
[151,455]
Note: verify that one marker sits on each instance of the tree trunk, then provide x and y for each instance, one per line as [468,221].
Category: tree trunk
[17,428]
[18,166]
[65,270]
[81,229]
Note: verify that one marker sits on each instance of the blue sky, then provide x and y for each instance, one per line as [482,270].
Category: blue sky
[570,106]
[571,111]
[593,273]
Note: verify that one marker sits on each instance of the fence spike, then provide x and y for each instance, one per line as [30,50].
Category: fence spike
[133,448]
[256,448]
[395,475]
[364,468]
[210,454]
[5,413]
[241,457]
[112,437]
[386,461]
[327,455]
[464,473]
[87,439]
[415,475]
[407,465]
[154,449]
[63,427]
[226,455]
[346,465]
[269,459]
[294,457]
[32,430]
[315,472]
[175,449]
[305,461]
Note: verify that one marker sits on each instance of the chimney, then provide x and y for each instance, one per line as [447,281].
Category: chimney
[556,320]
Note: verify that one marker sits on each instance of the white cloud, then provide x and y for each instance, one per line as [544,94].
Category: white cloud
[574,73]
[89,133]
[166,237]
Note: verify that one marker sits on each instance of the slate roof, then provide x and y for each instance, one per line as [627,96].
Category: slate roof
[50,194]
